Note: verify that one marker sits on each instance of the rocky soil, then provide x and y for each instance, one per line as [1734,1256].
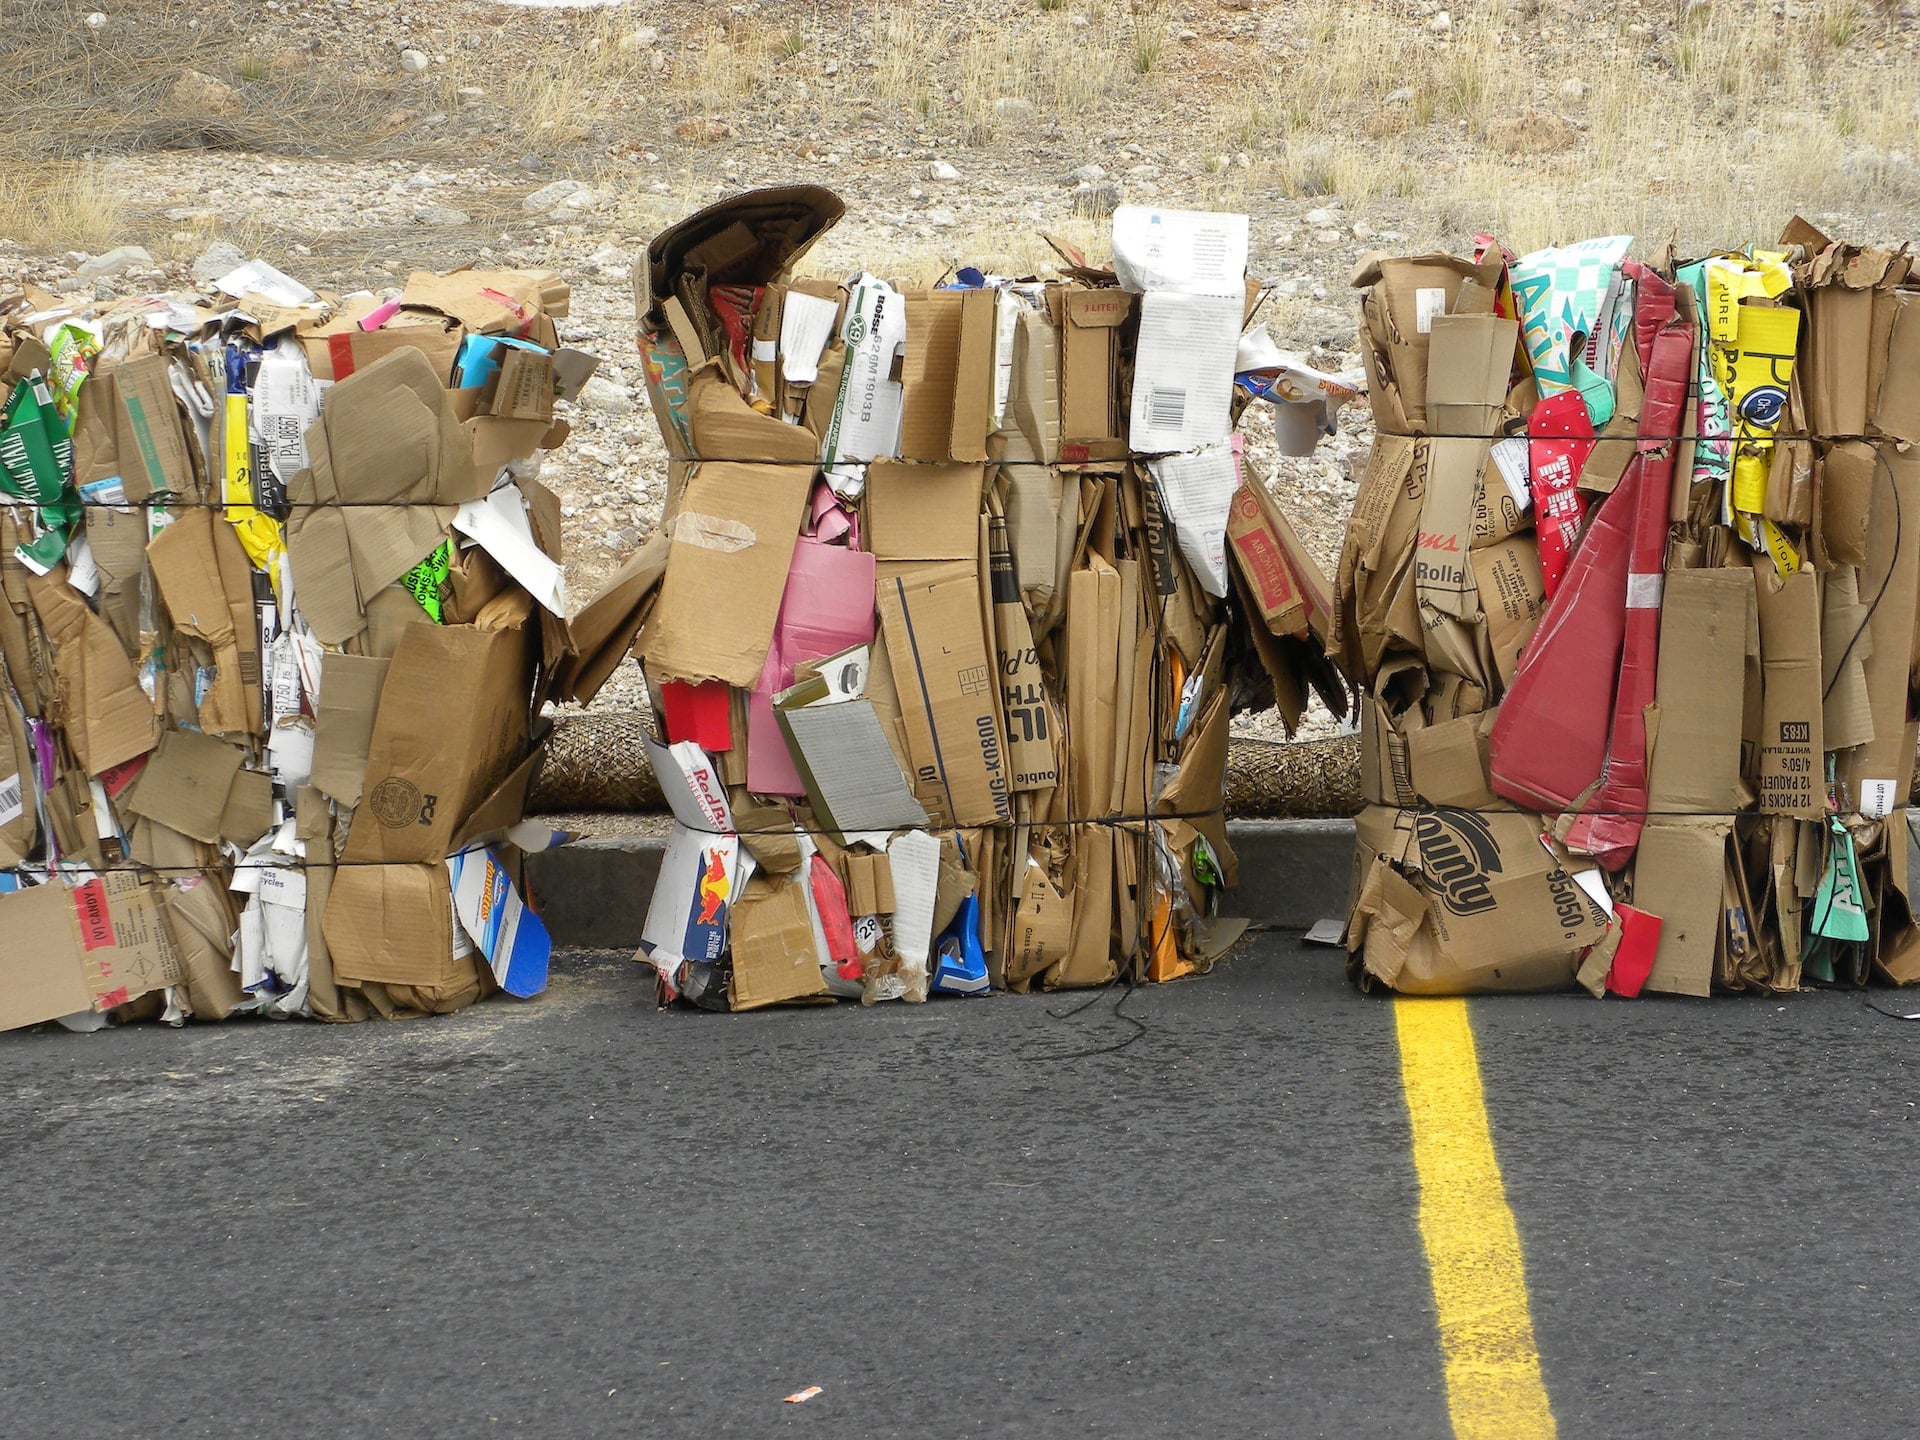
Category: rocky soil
[531,137]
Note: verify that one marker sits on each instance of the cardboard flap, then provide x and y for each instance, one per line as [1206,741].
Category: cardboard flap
[452,722]
[724,427]
[779,223]
[108,717]
[733,536]
[603,633]
[391,925]
[186,783]
[349,696]
[42,980]
[923,512]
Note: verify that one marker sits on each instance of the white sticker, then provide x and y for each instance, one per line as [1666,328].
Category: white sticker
[1426,305]
[1877,799]
[12,799]
[1643,591]
[1512,457]
[1594,884]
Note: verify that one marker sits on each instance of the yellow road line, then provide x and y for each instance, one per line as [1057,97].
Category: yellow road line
[1494,1390]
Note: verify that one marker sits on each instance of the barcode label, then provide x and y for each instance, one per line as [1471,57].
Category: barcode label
[1166,409]
[12,801]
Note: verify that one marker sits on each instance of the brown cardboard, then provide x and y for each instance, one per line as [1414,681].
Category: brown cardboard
[248,813]
[1469,359]
[201,918]
[1677,876]
[1458,902]
[1791,777]
[1255,545]
[152,450]
[1374,601]
[1448,763]
[488,301]
[1895,578]
[186,782]
[1845,643]
[603,632]
[524,388]
[118,540]
[1041,926]
[869,880]
[41,978]
[928,372]
[452,722]
[732,537]
[210,598]
[1033,396]
[973,381]
[390,463]
[108,718]
[1401,295]
[774,959]
[724,427]
[1706,618]
[1896,409]
[923,512]
[19,817]
[1093,409]
[343,724]
[340,354]
[1513,597]
[1848,480]
[947,684]
[391,925]
[1028,711]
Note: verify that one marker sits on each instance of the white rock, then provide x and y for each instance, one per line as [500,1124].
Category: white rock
[216,260]
[471,94]
[611,396]
[645,38]
[96,22]
[1087,174]
[1573,89]
[548,196]
[413,61]
[121,257]
[941,170]
[942,219]
[1016,108]
[1441,23]
[1321,218]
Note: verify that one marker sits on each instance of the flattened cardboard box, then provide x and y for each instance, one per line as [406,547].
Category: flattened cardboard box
[100,944]
[453,722]
[390,463]
[731,546]
[1091,406]
[947,684]
[1480,905]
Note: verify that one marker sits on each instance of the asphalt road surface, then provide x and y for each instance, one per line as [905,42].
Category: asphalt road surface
[580,1217]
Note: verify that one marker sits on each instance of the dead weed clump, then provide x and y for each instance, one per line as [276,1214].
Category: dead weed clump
[170,74]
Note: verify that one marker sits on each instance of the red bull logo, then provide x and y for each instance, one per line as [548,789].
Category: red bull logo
[714,889]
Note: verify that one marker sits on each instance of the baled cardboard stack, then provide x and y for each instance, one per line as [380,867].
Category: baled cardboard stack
[279,585]
[955,592]
[1631,588]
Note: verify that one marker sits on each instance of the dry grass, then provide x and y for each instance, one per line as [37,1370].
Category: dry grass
[52,206]
[67,91]
[1719,122]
